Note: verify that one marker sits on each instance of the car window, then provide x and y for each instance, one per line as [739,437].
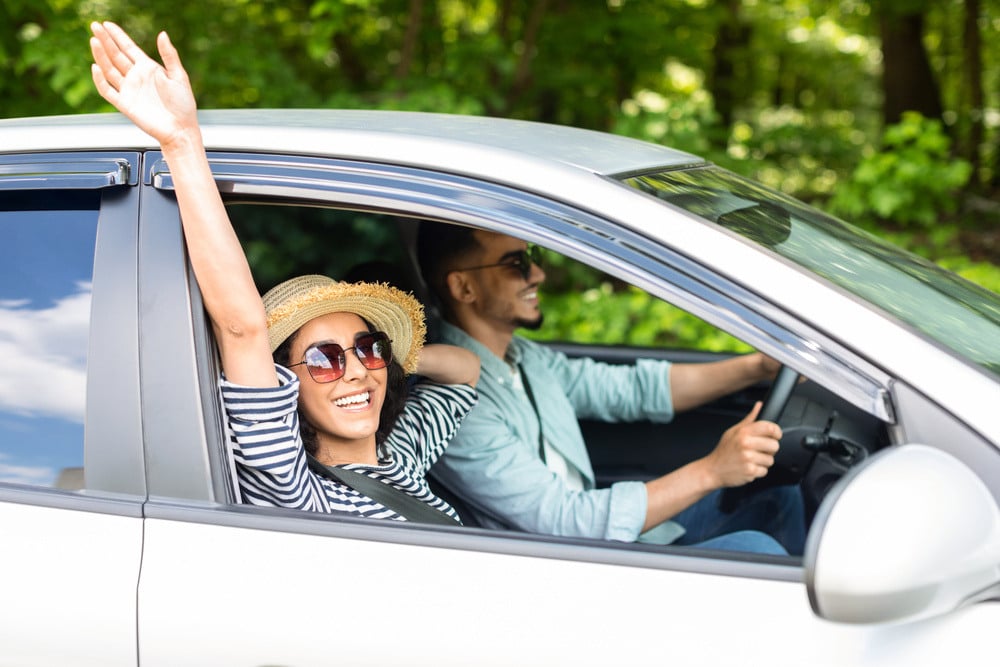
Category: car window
[905,286]
[587,312]
[46,266]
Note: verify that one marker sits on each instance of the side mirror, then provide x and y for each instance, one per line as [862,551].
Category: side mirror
[911,533]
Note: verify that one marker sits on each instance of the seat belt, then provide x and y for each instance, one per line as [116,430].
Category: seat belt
[398,501]
[534,406]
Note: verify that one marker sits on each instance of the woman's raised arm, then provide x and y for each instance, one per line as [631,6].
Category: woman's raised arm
[159,100]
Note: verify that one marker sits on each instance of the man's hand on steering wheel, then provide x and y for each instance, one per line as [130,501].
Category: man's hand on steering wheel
[746,450]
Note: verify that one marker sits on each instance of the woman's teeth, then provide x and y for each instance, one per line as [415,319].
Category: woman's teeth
[353,399]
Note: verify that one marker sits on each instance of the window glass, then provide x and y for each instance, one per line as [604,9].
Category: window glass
[46,266]
[966,318]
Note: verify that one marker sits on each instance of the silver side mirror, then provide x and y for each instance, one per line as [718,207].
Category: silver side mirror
[911,533]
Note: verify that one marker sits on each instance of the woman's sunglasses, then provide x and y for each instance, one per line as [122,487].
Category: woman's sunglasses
[327,362]
[521,262]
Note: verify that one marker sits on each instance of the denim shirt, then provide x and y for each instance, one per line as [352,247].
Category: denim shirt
[494,463]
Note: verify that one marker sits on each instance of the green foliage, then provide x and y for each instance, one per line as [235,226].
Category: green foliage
[910,181]
[284,241]
[582,304]
[682,117]
[44,58]
[627,316]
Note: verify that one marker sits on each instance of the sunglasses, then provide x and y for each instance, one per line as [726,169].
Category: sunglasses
[520,262]
[327,362]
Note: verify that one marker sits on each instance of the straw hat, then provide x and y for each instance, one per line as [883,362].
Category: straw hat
[294,302]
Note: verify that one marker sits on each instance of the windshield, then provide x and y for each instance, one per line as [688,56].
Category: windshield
[954,312]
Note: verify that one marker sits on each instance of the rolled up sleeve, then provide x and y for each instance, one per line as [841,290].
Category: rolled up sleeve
[612,392]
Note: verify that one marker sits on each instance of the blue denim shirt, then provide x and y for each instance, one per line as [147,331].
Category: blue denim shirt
[494,463]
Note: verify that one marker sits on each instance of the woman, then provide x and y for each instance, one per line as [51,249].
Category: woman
[340,350]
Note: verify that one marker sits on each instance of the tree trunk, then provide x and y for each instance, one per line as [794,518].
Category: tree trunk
[972,58]
[907,80]
[731,46]
[408,50]
[522,73]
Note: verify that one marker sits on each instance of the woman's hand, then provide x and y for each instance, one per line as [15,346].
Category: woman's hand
[158,99]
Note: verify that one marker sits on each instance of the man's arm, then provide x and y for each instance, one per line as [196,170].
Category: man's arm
[744,452]
[692,385]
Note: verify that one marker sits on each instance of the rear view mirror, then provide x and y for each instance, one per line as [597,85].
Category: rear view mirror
[911,533]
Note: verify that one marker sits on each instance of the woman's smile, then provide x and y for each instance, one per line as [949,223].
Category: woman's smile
[358,401]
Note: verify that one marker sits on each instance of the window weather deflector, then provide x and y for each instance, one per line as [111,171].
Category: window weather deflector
[625,175]
[67,171]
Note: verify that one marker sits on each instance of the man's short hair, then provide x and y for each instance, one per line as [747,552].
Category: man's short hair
[439,246]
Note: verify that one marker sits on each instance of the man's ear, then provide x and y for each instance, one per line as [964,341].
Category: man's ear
[460,288]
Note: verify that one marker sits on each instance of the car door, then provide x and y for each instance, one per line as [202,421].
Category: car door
[72,524]
[229,584]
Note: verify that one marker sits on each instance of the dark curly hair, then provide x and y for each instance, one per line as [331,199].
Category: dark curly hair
[392,407]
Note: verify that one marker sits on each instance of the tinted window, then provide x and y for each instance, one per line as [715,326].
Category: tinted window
[46,266]
[966,318]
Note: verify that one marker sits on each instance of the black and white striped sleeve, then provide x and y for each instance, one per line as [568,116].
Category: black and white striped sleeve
[431,417]
[266,445]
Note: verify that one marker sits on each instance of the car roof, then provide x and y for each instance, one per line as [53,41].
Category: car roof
[475,145]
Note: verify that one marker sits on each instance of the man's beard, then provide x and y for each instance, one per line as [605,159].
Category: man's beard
[530,325]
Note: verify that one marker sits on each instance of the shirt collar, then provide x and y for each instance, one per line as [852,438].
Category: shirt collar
[491,363]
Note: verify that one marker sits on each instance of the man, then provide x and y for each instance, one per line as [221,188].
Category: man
[520,460]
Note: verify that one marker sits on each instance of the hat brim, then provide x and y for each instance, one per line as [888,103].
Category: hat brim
[386,308]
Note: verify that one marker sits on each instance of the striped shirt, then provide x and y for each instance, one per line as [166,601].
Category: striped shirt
[271,460]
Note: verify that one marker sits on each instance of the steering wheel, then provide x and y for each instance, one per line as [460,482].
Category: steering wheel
[774,404]
[778,395]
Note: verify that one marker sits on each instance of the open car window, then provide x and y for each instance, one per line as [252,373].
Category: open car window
[587,313]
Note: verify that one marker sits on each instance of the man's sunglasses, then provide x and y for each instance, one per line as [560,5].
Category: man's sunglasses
[327,362]
[520,262]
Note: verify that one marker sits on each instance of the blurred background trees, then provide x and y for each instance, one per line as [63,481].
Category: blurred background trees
[886,112]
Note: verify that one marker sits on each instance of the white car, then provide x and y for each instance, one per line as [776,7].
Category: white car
[123,539]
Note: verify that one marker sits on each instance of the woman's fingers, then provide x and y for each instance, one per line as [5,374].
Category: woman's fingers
[123,51]
[115,53]
[103,49]
[171,59]
[106,90]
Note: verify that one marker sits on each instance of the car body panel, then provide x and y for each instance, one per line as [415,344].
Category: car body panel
[451,604]
[68,583]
